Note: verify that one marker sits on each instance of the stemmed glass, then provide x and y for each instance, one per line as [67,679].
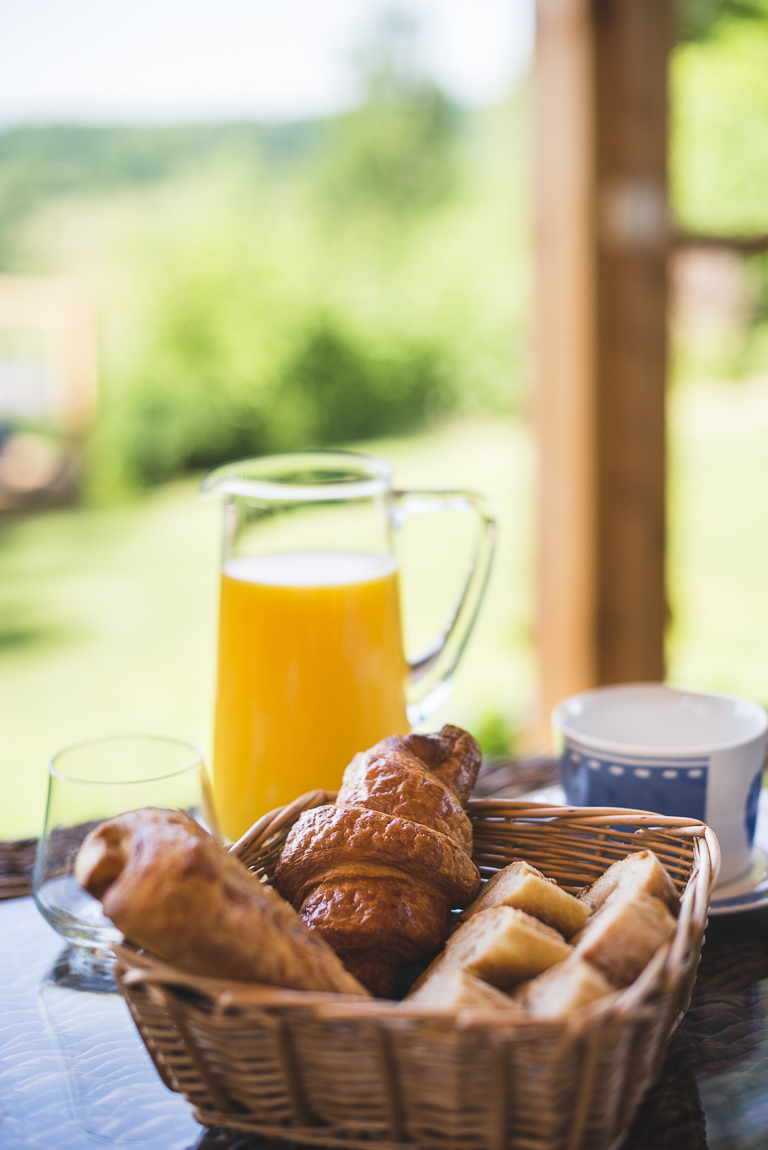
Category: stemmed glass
[88,783]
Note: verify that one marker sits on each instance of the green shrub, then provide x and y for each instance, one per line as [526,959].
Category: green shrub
[719,157]
[262,315]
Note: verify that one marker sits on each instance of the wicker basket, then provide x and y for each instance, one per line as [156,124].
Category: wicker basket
[332,1070]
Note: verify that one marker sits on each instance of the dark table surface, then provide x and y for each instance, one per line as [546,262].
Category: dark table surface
[74,1075]
[70,1059]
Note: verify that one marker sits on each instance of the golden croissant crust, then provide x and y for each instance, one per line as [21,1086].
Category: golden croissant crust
[397,782]
[169,886]
[378,872]
[452,755]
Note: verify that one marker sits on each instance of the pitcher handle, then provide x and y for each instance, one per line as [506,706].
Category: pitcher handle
[432,671]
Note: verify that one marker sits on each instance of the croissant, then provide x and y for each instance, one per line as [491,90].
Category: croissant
[169,886]
[378,872]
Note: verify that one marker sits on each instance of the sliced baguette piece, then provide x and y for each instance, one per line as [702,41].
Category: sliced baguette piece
[502,946]
[624,934]
[562,989]
[521,886]
[640,871]
[451,986]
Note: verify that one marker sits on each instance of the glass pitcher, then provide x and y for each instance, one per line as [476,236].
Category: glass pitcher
[311,666]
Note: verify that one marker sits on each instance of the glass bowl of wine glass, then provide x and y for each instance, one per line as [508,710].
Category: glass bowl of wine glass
[88,783]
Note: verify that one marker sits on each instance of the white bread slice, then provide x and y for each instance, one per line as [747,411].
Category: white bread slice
[521,886]
[640,871]
[502,946]
[451,986]
[624,934]
[562,989]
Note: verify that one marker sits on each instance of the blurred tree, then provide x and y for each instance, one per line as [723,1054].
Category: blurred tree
[700,19]
[41,162]
[397,151]
[719,157]
[719,160]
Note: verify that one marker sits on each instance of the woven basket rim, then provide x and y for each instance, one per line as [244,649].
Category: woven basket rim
[228,995]
[137,967]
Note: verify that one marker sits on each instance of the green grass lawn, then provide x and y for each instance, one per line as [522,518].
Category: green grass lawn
[108,616]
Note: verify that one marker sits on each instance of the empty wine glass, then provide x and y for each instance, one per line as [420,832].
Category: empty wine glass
[88,783]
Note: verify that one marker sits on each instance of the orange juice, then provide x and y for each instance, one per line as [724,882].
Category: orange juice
[311,669]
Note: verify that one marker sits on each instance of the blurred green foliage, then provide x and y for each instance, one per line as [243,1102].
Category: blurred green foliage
[701,19]
[719,168]
[719,154]
[495,734]
[41,162]
[297,286]
[272,313]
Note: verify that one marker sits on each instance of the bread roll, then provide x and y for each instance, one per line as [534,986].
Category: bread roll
[521,886]
[624,934]
[169,886]
[454,987]
[502,946]
[640,871]
[562,989]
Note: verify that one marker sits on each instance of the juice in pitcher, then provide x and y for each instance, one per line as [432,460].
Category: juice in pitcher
[311,665]
[311,669]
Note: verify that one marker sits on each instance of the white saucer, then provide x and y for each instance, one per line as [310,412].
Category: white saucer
[746,893]
[749,892]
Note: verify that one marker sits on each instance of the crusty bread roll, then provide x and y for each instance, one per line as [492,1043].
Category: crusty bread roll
[451,986]
[624,934]
[378,872]
[640,871]
[521,886]
[510,934]
[169,886]
[562,989]
[502,946]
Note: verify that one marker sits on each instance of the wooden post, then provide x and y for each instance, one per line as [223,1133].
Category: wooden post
[563,131]
[602,245]
[632,48]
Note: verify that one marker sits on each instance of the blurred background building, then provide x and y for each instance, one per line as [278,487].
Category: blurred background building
[48,387]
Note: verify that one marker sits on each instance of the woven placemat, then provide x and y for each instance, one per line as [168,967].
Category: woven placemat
[503,778]
[508,778]
[16,862]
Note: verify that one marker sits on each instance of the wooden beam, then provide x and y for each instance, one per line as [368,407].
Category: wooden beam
[602,240]
[632,39]
[744,245]
[563,132]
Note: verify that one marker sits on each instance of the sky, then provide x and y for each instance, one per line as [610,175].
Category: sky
[168,61]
